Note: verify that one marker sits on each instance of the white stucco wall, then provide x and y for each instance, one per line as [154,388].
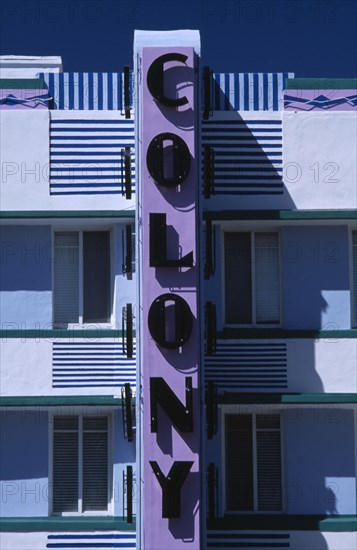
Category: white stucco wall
[317,540]
[25,164]
[319,151]
[38,541]
[24,154]
[27,66]
[26,368]
[326,365]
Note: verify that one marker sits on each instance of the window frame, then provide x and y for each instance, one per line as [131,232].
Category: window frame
[353,275]
[253,410]
[111,305]
[252,232]
[110,486]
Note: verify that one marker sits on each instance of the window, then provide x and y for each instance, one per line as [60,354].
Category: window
[354,278]
[80,464]
[252,282]
[81,277]
[253,463]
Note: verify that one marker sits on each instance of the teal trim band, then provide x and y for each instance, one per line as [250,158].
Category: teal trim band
[321,84]
[285,522]
[53,334]
[46,214]
[60,400]
[94,523]
[286,334]
[237,215]
[287,398]
[213,215]
[22,84]
[226,334]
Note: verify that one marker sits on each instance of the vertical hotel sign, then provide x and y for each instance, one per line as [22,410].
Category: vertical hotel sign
[169,334]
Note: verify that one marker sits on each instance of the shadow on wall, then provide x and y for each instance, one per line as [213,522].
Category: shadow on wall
[310,539]
[320,461]
[186,527]
[26,435]
[315,277]
[26,257]
[248,160]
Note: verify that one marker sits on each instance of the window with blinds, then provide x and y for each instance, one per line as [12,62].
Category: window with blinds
[81,277]
[96,276]
[66,278]
[354,278]
[252,279]
[253,463]
[80,464]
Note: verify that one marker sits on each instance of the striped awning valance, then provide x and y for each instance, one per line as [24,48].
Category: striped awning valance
[87,153]
[87,91]
[249,91]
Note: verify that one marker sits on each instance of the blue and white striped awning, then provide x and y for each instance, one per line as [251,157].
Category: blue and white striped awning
[87,91]
[87,153]
[247,153]
[105,91]
[249,91]
[248,366]
[91,364]
[234,539]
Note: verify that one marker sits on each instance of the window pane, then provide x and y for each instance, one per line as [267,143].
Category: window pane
[268,422]
[95,471]
[65,422]
[269,463]
[96,276]
[66,278]
[239,463]
[238,284]
[96,423]
[267,286]
[65,472]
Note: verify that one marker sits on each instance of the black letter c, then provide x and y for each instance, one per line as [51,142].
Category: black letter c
[155,79]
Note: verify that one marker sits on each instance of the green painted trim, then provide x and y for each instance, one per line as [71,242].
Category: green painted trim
[285,522]
[60,400]
[287,398]
[94,523]
[53,334]
[237,215]
[226,334]
[25,214]
[321,84]
[286,334]
[207,214]
[22,84]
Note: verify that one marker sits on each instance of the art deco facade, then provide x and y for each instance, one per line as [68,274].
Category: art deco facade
[179,305]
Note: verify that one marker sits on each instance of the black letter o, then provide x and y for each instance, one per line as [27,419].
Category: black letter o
[157,321]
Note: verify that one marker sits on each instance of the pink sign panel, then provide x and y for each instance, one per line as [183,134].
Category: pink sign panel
[170,339]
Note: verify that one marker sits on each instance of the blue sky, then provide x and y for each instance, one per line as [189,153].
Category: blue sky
[313,38]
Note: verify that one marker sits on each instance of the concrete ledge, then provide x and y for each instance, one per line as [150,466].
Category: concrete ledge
[94,523]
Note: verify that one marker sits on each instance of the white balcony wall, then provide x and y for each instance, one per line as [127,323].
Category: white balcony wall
[58,366]
[320,170]
[301,365]
[27,66]
[61,160]
[282,160]
[39,540]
